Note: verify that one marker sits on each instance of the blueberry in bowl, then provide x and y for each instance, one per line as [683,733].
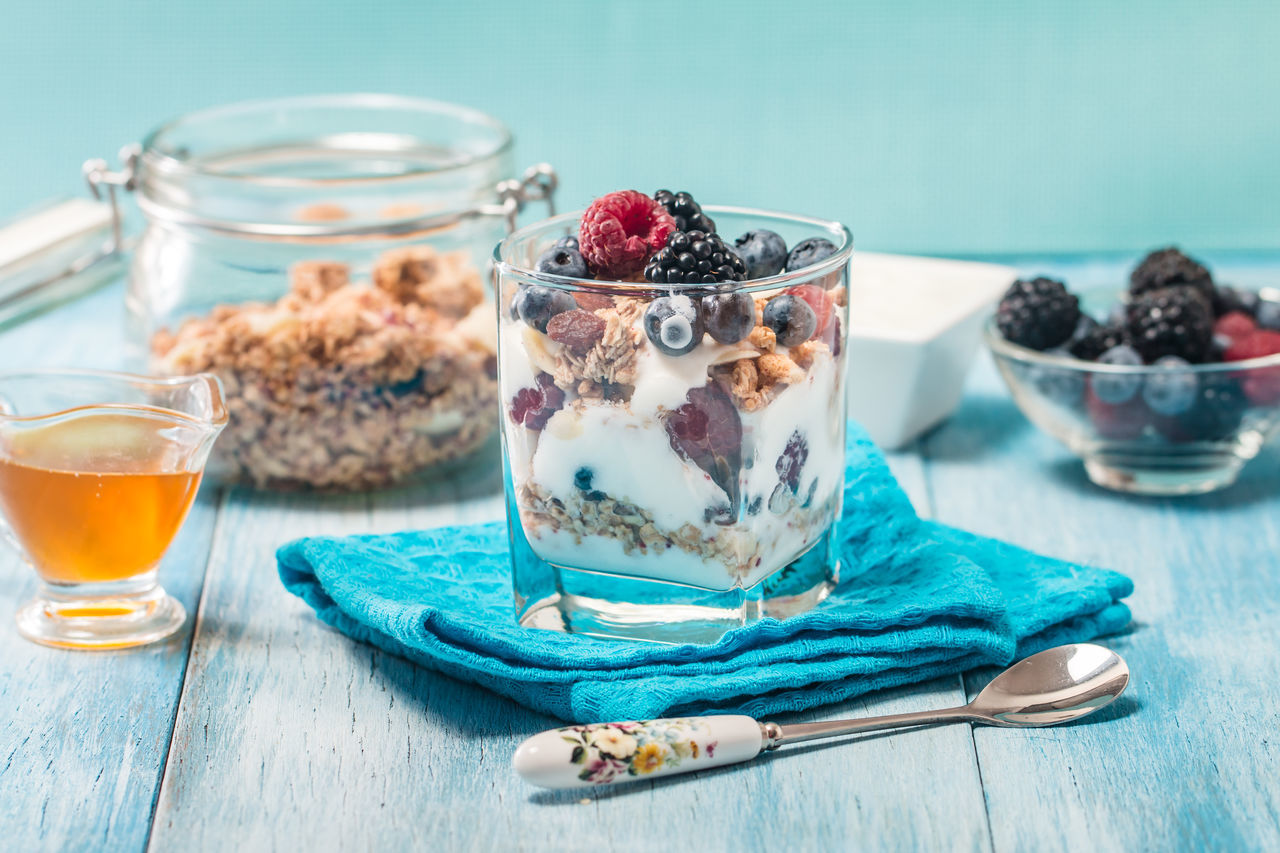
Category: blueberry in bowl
[1170,393]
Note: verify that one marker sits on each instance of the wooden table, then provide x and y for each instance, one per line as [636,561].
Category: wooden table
[258,728]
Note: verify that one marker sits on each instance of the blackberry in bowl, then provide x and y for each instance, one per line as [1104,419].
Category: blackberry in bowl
[1162,398]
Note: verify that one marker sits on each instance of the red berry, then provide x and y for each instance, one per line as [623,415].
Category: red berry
[819,300]
[1260,343]
[621,230]
[1261,384]
[1124,421]
[707,431]
[1235,325]
[533,407]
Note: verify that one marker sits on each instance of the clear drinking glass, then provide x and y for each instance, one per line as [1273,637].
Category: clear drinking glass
[97,473]
[670,497]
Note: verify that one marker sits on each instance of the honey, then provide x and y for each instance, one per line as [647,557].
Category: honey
[98,496]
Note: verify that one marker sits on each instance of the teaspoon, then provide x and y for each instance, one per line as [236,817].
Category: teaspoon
[1054,686]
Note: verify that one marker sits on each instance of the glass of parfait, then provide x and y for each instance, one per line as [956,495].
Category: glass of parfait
[673,450]
[97,473]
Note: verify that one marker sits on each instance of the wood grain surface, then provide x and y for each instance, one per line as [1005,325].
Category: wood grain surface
[257,728]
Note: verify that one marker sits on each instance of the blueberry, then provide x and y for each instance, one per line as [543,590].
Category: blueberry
[673,324]
[764,252]
[562,261]
[806,253]
[537,305]
[757,503]
[1062,385]
[1269,315]
[582,478]
[729,317]
[791,319]
[566,243]
[1117,388]
[1172,390]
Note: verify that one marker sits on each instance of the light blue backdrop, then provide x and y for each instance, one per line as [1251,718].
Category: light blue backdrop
[928,125]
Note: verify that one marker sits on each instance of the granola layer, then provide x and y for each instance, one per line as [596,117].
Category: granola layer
[341,385]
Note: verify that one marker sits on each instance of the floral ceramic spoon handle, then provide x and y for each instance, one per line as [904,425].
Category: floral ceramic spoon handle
[601,753]
[1053,686]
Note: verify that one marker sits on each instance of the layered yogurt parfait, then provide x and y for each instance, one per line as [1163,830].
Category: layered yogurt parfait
[673,415]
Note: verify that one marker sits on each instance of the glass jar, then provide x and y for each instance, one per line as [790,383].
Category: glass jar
[327,258]
[670,493]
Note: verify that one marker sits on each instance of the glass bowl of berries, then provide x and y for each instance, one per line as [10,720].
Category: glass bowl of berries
[673,415]
[1166,388]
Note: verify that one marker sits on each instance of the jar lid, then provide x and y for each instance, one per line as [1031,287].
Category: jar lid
[322,165]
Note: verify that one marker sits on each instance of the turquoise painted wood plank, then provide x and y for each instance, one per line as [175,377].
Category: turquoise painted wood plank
[1188,761]
[290,735]
[84,735]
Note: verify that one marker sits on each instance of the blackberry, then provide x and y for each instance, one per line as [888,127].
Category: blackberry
[695,257]
[1171,321]
[1170,268]
[686,212]
[1096,341]
[1038,313]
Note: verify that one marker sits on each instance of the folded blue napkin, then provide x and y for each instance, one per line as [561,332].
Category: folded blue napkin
[922,600]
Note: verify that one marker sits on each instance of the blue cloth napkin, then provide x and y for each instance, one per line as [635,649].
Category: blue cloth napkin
[923,600]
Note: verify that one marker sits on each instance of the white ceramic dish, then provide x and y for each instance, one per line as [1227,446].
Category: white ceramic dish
[914,327]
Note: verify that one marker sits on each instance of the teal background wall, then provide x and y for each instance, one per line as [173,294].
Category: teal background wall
[928,125]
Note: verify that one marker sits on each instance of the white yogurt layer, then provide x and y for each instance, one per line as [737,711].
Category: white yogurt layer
[630,459]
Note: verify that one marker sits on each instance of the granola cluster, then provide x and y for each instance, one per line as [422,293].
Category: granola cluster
[342,385]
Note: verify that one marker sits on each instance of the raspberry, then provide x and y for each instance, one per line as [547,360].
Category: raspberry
[533,407]
[1235,325]
[621,230]
[1262,384]
[1259,344]
[577,329]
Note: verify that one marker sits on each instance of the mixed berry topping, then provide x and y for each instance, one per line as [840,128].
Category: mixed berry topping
[673,241]
[621,230]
